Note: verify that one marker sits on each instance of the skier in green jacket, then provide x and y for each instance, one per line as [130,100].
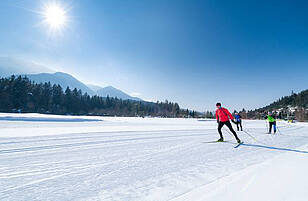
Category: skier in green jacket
[272,122]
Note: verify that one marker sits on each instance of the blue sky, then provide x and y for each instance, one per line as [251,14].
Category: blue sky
[244,54]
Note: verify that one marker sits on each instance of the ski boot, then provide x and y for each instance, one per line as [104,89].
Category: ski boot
[220,140]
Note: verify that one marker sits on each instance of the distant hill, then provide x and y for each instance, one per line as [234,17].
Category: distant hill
[112,92]
[294,106]
[294,100]
[40,74]
[94,87]
[63,79]
[66,80]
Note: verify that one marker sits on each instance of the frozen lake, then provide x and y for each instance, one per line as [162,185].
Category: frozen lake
[49,157]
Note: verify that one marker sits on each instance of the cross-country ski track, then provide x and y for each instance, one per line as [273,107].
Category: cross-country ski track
[113,158]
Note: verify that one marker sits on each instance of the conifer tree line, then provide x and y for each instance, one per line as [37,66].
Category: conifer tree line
[294,106]
[294,100]
[19,94]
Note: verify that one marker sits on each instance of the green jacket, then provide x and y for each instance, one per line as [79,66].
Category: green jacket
[270,118]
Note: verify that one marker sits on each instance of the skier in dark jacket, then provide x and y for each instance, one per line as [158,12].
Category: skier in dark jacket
[223,117]
[272,122]
[238,121]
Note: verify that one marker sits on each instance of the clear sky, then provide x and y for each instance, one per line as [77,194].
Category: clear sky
[243,53]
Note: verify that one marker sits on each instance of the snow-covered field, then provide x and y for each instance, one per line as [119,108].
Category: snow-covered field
[49,157]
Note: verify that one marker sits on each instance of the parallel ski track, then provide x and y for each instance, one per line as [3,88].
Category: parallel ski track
[69,145]
[81,169]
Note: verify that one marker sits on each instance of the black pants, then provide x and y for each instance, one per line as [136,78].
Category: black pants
[271,124]
[228,124]
[238,125]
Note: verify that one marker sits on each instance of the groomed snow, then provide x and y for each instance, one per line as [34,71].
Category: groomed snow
[49,157]
[282,178]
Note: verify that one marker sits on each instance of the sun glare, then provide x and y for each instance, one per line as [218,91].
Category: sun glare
[54,16]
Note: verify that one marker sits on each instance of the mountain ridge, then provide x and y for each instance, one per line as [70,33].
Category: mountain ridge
[63,79]
[40,74]
[114,92]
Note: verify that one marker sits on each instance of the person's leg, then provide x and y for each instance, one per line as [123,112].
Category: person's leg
[220,125]
[274,124]
[237,125]
[270,127]
[241,125]
[228,124]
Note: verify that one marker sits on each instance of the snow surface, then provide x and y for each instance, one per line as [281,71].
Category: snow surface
[50,157]
[282,178]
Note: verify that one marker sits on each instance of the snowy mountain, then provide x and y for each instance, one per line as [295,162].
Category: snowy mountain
[67,80]
[39,73]
[94,87]
[63,79]
[113,92]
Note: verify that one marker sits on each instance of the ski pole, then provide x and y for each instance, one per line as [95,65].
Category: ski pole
[278,130]
[251,136]
[229,132]
[266,126]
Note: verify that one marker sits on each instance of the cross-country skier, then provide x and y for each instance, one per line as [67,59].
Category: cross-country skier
[272,122]
[223,117]
[238,121]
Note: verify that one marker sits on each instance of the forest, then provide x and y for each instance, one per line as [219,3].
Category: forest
[19,94]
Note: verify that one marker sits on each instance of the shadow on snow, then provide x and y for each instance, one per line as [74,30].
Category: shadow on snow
[274,148]
[262,146]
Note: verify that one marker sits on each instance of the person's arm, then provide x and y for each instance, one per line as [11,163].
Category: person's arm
[217,118]
[229,114]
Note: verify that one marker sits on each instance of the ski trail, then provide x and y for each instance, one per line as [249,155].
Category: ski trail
[26,149]
[64,137]
[34,182]
[131,165]
[84,168]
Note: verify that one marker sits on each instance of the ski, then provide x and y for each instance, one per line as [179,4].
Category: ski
[214,142]
[239,144]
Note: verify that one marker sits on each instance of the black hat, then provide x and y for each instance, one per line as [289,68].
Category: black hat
[218,104]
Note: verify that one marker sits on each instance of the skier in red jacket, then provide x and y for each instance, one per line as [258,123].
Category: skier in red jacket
[223,116]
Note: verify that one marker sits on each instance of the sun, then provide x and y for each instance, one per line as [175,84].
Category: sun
[54,16]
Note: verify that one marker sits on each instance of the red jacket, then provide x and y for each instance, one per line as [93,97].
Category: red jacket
[223,115]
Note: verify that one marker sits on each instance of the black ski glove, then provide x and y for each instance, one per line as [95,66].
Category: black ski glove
[233,121]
